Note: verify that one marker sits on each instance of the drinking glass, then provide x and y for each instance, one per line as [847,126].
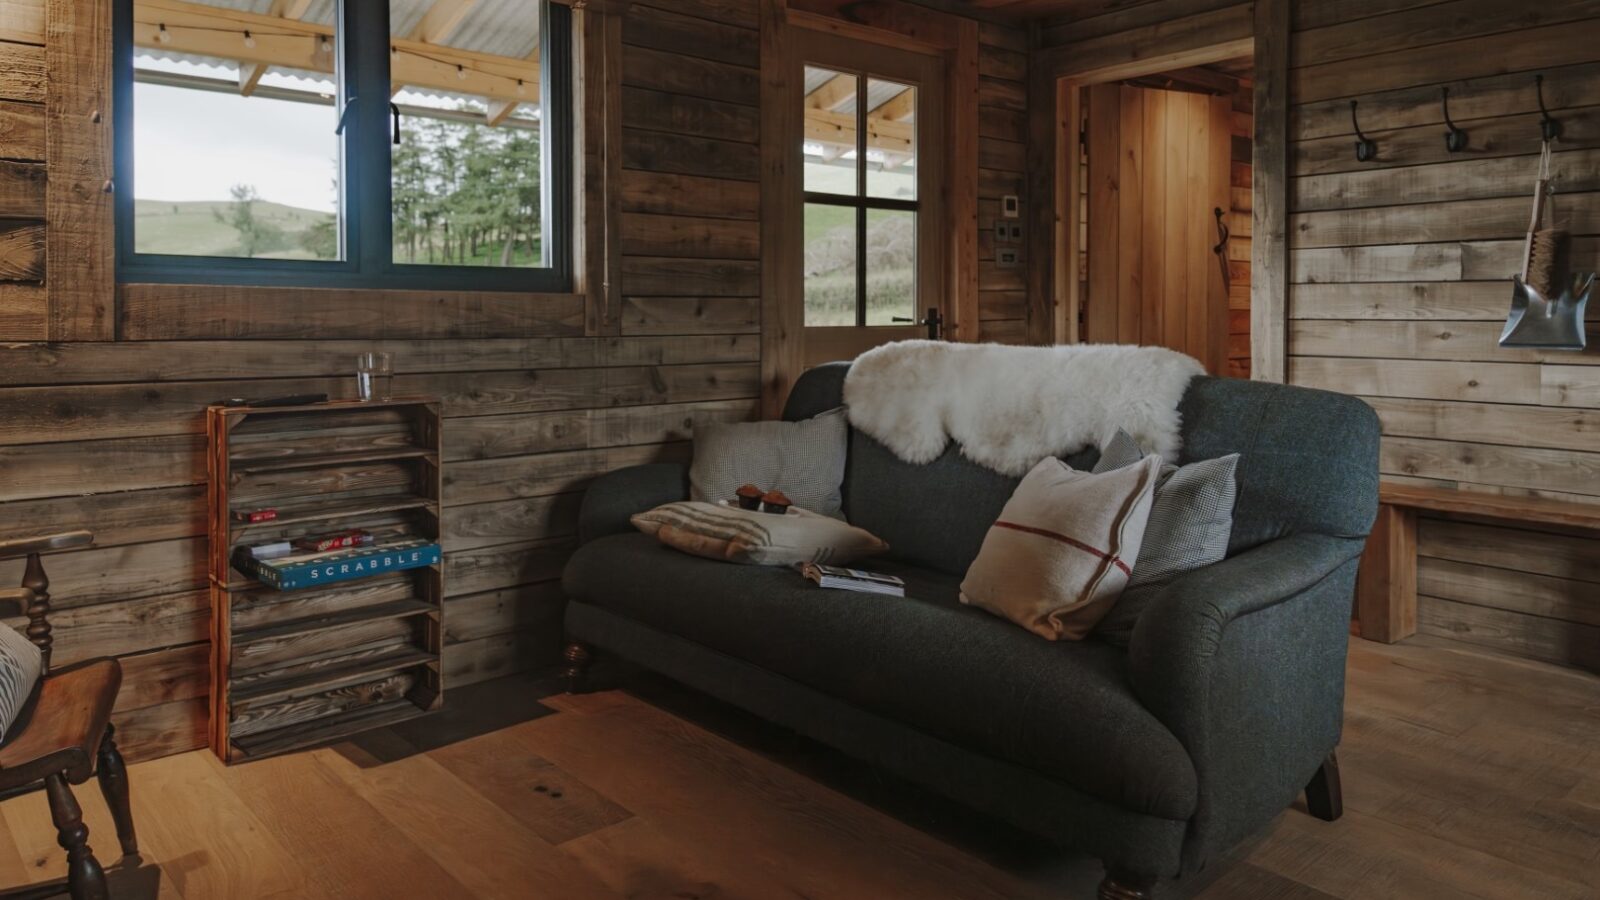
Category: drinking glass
[374,376]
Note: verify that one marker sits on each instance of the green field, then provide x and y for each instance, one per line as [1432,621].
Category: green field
[190,228]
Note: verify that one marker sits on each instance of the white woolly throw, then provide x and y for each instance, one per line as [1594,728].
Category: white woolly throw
[1009,407]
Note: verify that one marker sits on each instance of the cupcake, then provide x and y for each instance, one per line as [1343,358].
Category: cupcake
[749,497]
[775,502]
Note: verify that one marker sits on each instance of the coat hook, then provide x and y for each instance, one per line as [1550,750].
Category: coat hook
[1366,148]
[1548,126]
[1455,140]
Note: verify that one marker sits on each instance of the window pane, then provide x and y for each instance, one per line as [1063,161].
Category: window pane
[829,146]
[467,184]
[234,152]
[891,267]
[891,140]
[830,265]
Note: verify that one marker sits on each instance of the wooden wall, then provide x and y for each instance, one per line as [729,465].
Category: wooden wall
[1239,224]
[1004,310]
[1400,267]
[1400,284]
[542,392]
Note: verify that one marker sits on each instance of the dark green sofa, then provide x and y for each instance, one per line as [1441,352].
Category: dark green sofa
[1157,759]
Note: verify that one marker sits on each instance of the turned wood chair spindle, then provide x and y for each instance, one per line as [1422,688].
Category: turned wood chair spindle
[63,734]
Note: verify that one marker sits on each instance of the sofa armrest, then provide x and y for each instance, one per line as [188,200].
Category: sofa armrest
[615,496]
[1244,662]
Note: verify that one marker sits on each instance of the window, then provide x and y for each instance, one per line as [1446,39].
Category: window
[404,144]
[861,199]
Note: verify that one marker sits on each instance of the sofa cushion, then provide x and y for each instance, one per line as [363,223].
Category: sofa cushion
[804,460]
[730,534]
[957,673]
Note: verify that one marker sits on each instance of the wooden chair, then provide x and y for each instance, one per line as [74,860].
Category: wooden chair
[63,733]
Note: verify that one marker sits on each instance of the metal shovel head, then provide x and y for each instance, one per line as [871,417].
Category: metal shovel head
[1548,324]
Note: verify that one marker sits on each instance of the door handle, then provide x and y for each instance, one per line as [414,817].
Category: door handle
[934,321]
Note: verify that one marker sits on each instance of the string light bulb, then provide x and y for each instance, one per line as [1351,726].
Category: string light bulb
[327,47]
[521,90]
[161,34]
[249,40]
[461,72]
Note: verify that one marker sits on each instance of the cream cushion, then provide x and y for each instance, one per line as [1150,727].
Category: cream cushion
[720,531]
[1063,548]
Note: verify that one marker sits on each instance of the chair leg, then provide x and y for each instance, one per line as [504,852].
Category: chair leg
[85,879]
[578,657]
[1121,885]
[1324,795]
[113,777]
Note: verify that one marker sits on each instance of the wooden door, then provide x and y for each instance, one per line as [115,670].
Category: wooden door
[1159,169]
[873,126]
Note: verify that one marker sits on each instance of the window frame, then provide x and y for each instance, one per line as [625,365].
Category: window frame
[366,175]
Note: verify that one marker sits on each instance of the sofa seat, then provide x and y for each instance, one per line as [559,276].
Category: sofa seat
[1063,709]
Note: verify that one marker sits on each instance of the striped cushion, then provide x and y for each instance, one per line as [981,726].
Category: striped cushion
[20,664]
[804,460]
[719,531]
[1190,522]
[1063,548]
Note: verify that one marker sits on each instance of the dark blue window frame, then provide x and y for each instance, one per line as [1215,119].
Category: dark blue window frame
[363,70]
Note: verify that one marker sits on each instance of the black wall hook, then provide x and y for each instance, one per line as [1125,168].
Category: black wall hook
[1455,140]
[1366,148]
[1550,128]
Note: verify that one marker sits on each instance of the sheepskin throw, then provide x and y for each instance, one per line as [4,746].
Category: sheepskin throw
[1009,407]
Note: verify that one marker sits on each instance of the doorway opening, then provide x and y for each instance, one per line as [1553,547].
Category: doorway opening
[1164,207]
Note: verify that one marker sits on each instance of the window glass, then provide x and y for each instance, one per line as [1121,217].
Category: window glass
[829,148]
[466,175]
[891,140]
[830,265]
[891,267]
[234,151]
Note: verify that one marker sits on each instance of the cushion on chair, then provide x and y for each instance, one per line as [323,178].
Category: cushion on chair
[1063,709]
[20,664]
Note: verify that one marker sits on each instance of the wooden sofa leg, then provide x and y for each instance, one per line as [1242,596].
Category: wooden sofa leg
[578,657]
[1324,795]
[1121,885]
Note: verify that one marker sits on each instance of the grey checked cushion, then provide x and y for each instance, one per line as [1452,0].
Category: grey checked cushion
[1190,522]
[20,664]
[804,459]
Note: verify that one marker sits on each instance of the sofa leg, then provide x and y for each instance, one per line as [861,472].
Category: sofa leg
[1121,885]
[1324,796]
[578,657]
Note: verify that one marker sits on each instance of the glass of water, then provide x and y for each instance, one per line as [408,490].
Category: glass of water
[374,376]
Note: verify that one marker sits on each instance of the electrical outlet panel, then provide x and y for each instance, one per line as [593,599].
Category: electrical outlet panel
[1005,259]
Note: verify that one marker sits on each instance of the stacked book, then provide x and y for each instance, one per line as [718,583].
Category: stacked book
[853,579]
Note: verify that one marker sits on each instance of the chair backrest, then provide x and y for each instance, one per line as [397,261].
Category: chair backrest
[1309,463]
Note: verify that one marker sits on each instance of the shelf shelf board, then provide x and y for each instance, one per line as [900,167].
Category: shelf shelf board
[326,730]
[337,509]
[355,457]
[327,678]
[398,609]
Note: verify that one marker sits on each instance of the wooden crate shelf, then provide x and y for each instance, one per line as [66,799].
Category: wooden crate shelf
[300,668]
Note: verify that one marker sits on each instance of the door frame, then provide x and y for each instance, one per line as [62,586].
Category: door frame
[1055,77]
[953,40]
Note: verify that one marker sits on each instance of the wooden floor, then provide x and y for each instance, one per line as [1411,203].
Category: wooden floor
[1465,776]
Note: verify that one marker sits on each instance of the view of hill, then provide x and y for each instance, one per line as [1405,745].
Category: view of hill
[190,227]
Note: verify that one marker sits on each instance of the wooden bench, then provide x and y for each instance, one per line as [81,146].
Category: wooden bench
[1386,591]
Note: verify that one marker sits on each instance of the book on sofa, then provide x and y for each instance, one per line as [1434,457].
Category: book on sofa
[853,579]
[303,570]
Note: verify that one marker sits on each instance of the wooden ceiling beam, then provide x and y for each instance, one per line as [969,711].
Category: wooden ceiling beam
[839,129]
[216,32]
[250,73]
[833,93]
[898,108]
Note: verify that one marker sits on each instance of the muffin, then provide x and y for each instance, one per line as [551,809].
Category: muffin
[749,497]
[775,502]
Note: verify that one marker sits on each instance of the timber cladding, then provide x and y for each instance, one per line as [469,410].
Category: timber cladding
[103,388]
[1400,282]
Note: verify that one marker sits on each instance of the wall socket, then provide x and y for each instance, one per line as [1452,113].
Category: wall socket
[1008,232]
[1010,206]
[1005,259]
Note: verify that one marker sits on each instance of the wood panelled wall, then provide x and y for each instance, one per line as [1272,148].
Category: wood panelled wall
[1400,282]
[542,392]
[1400,269]
[1004,310]
[1239,225]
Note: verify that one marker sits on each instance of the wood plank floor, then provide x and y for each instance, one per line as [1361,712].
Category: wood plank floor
[1465,776]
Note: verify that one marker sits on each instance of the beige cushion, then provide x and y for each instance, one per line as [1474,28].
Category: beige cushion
[804,460]
[1063,548]
[719,531]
